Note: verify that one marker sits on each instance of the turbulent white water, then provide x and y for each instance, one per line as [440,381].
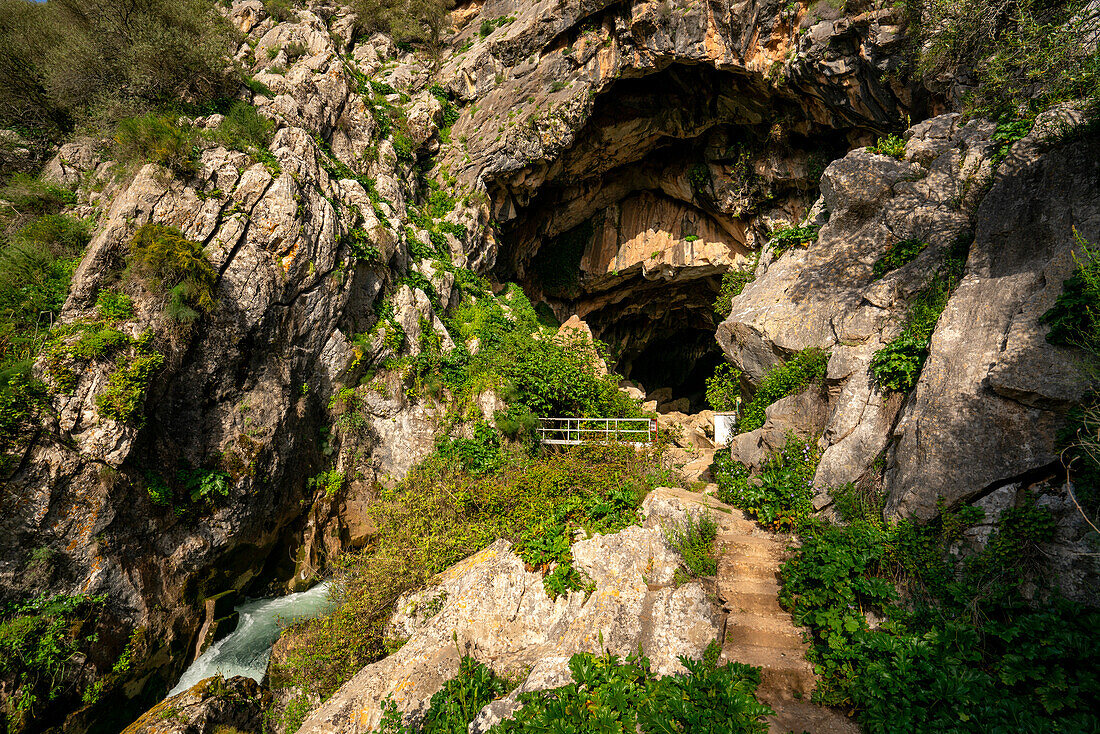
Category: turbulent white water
[246,650]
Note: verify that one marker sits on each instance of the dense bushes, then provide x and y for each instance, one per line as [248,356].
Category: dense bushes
[86,60]
[39,249]
[1075,317]
[958,645]
[42,642]
[784,238]
[779,496]
[1025,55]
[606,695]
[786,378]
[536,372]
[733,282]
[724,388]
[172,265]
[440,514]
[408,21]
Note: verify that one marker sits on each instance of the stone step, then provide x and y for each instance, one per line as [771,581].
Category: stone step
[755,546]
[748,568]
[729,587]
[751,603]
[784,673]
[762,631]
[803,716]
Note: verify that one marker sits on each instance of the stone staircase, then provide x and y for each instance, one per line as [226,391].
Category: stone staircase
[759,632]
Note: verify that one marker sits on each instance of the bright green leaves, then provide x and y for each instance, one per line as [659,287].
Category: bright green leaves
[786,378]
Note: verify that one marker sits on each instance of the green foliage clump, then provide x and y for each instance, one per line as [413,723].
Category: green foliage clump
[420,22]
[967,653]
[1075,317]
[330,482]
[88,62]
[36,264]
[1024,55]
[21,398]
[733,282]
[41,642]
[172,265]
[244,128]
[190,491]
[892,145]
[478,455]
[157,139]
[724,388]
[112,306]
[899,254]
[607,695]
[784,238]
[360,244]
[442,513]
[959,646]
[693,539]
[557,264]
[32,196]
[124,396]
[787,378]
[897,366]
[780,496]
[454,706]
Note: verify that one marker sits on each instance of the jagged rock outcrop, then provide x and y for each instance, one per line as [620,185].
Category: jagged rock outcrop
[993,393]
[244,389]
[212,706]
[500,613]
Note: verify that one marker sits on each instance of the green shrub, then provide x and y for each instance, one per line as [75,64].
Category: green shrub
[34,197]
[331,482]
[899,254]
[892,145]
[42,642]
[897,365]
[21,397]
[785,238]
[279,10]
[1024,55]
[112,306]
[1075,317]
[786,378]
[124,397]
[693,539]
[724,388]
[478,455]
[244,128]
[780,496]
[170,264]
[733,282]
[607,695]
[454,706]
[152,138]
[441,514]
[98,342]
[361,245]
[35,268]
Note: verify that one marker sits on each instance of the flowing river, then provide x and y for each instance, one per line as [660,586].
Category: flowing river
[246,650]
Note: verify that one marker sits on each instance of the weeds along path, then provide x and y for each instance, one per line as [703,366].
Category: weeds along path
[759,632]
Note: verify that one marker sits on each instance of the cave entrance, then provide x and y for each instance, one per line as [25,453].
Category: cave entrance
[673,181]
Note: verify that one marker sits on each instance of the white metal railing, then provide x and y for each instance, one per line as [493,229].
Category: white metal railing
[575,431]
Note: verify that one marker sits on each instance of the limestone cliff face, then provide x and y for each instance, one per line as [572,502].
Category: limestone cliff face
[981,424]
[245,388]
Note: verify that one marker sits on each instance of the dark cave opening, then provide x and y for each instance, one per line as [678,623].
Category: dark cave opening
[674,180]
